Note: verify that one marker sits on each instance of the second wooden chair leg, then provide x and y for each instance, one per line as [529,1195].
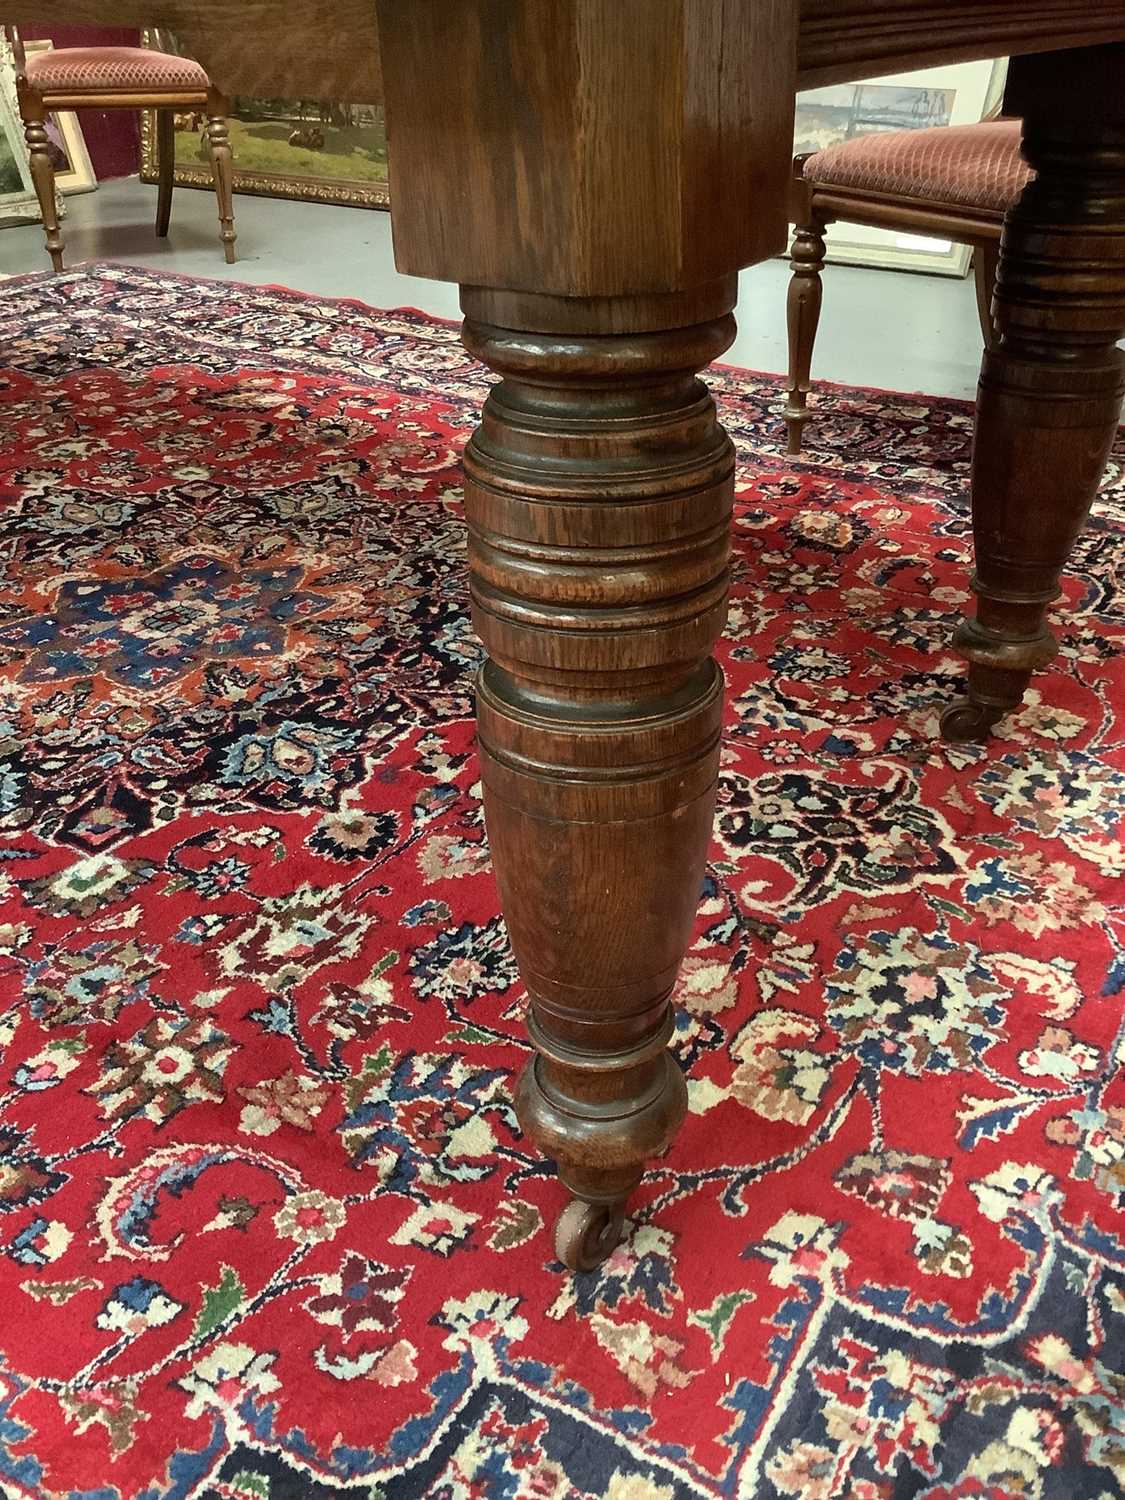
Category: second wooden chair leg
[166,164]
[43,176]
[222,165]
[803,311]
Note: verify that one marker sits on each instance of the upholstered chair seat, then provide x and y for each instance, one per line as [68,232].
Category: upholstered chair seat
[124,70]
[973,166]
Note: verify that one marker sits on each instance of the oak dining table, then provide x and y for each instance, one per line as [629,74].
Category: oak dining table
[594,174]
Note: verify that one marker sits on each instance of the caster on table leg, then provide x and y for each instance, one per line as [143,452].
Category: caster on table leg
[965,722]
[587,1233]
[998,675]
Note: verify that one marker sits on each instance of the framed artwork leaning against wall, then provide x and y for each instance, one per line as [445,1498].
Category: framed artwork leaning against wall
[18,203]
[319,150]
[74,172]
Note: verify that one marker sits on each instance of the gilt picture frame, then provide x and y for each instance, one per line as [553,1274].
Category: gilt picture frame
[18,203]
[317,151]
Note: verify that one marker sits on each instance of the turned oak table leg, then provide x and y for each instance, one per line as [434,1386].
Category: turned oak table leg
[592,175]
[598,490]
[1051,384]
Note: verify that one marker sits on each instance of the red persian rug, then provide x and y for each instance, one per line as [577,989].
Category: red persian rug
[267,1226]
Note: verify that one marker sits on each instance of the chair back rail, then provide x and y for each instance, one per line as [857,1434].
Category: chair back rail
[19,57]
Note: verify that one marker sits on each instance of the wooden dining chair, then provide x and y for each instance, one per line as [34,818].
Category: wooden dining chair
[121,78]
[953,181]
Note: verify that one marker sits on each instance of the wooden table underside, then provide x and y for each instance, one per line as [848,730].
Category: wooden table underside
[594,173]
[330,48]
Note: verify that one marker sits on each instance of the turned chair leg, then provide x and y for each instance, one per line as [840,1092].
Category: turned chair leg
[222,165]
[986,258]
[43,176]
[166,164]
[805,295]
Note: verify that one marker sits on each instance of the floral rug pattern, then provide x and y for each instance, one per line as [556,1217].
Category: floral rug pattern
[267,1225]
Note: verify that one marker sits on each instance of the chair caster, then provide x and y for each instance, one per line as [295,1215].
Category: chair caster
[587,1233]
[965,722]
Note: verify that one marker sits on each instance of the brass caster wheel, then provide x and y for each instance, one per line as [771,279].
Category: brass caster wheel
[967,723]
[587,1233]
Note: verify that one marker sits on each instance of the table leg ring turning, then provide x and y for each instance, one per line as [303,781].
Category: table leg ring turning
[599,491]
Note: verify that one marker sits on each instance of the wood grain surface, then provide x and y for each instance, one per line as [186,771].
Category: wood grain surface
[1051,386]
[843,39]
[315,50]
[330,47]
[576,149]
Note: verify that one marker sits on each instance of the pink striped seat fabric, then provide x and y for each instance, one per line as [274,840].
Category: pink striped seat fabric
[969,166]
[121,70]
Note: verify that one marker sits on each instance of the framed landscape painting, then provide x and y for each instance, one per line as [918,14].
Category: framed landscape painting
[321,150]
[957,94]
